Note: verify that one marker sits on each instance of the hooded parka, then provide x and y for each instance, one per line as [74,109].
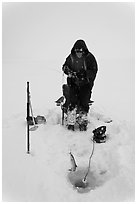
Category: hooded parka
[85,66]
[88,62]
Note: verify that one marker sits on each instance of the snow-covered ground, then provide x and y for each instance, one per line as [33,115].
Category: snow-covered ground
[43,175]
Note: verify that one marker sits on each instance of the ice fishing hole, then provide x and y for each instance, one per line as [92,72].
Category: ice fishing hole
[93,180]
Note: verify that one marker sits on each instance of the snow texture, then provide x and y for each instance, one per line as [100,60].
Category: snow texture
[44,173]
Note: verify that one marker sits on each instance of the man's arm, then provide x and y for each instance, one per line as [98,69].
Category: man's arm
[92,68]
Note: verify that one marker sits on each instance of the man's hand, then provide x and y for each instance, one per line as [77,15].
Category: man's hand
[65,68]
[72,74]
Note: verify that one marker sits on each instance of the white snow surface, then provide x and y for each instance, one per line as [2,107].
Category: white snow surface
[43,175]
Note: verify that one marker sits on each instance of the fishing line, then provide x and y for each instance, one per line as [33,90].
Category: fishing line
[34,124]
[89,162]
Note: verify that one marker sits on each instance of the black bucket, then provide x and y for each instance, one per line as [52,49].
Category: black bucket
[100,139]
[99,135]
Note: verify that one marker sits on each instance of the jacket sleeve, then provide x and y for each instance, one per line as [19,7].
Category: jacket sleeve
[67,65]
[92,68]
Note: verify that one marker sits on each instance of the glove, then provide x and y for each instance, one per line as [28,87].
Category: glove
[65,69]
[69,72]
[72,74]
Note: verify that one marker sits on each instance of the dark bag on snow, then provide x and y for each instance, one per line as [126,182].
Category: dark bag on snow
[99,134]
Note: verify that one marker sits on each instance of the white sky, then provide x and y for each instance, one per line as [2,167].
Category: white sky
[48,30]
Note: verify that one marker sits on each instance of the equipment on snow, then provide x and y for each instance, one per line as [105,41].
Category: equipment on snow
[28,117]
[73,162]
[59,101]
[108,121]
[31,120]
[40,119]
[34,124]
[99,135]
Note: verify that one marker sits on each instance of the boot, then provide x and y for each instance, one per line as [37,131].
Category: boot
[82,127]
[71,119]
[83,121]
[71,127]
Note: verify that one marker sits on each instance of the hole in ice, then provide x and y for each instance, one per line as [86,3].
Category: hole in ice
[92,181]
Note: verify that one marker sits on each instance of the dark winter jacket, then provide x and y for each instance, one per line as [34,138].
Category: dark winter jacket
[89,64]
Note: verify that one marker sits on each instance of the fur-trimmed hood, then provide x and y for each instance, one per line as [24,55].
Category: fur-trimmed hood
[78,45]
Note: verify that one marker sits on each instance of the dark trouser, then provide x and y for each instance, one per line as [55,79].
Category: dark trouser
[76,95]
[84,95]
[66,93]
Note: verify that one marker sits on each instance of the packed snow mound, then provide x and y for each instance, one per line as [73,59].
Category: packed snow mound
[43,175]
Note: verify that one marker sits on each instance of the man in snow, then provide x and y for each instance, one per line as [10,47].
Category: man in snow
[81,68]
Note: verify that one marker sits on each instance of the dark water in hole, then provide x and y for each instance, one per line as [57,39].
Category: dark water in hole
[93,180]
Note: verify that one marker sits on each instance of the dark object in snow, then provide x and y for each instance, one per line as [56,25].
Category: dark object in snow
[33,128]
[99,131]
[30,120]
[40,119]
[73,162]
[99,134]
[108,121]
[71,127]
[101,140]
[59,101]
[37,120]
[27,118]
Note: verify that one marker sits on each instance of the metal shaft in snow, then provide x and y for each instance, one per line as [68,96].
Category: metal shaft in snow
[28,116]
